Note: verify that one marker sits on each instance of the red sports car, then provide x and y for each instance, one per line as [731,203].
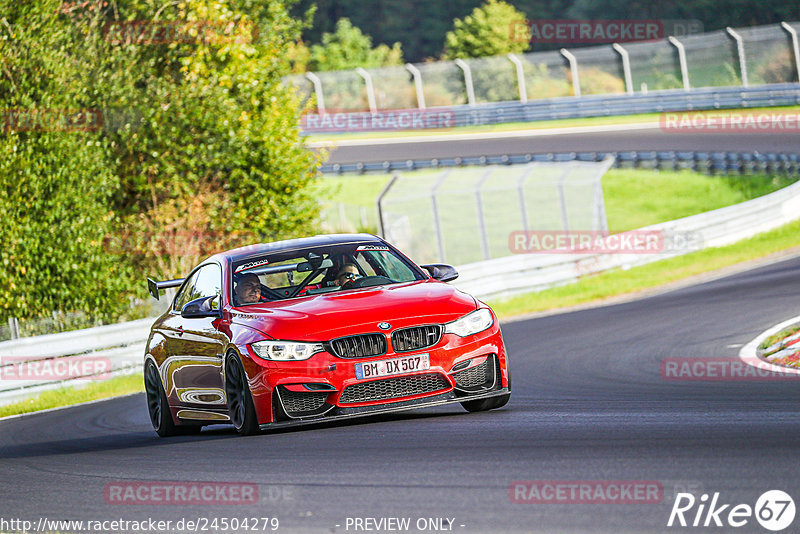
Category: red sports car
[318,329]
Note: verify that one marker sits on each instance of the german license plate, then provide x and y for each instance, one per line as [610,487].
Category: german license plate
[395,366]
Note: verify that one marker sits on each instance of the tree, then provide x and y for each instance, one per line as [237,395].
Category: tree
[348,48]
[492,29]
[56,177]
[199,138]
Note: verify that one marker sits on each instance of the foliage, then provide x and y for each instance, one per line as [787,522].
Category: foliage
[595,81]
[487,32]
[199,137]
[421,25]
[55,174]
[348,48]
[299,55]
[779,68]
[541,83]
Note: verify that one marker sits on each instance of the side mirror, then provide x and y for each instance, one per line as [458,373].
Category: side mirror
[441,271]
[201,308]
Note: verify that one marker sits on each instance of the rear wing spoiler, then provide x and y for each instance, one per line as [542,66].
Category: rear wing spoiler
[154,286]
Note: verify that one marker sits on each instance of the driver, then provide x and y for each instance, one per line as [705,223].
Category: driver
[347,274]
[248,289]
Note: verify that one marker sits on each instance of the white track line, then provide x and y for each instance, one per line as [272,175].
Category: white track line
[483,135]
[748,353]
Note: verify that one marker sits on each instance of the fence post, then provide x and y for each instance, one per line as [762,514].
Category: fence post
[573,68]
[13,327]
[378,204]
[318,91]
[523,208]
[373,107]
[481,217]
[599,214]
[562,197]
[467,80]
[681,61]
[437,223]
[795,47]
[626,67]
[523,92]
[417,75]
[740,49]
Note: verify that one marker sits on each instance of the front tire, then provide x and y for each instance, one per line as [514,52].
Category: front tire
[483,405]
[240,401]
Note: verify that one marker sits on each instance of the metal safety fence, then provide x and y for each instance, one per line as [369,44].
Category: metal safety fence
[744,57]
[464,215]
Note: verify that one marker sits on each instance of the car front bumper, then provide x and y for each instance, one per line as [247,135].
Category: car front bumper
[278,388]
[399,406]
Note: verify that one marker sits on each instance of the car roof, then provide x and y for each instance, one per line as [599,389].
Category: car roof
[258,249]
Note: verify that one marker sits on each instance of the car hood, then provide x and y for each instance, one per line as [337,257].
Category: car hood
[327,316]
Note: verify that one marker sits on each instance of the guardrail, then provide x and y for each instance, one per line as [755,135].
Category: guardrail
[569,107]
[708,162]
[35,364]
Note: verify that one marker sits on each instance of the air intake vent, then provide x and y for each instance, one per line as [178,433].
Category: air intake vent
[476,378]
[393,388]
[304,404]
[361,346]
[415,338]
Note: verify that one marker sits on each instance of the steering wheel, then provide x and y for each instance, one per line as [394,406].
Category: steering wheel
[351,281]
[367,281]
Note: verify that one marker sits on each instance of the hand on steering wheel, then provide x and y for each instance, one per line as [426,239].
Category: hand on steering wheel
[350,279]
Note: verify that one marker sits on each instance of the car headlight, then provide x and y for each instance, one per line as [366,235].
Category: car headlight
[472,323]
[286,350]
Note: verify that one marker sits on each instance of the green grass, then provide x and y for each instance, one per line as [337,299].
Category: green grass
[622,282]
[358,189]
[780,336]
[523,126]
[628,193]
[121,385]
[636,198]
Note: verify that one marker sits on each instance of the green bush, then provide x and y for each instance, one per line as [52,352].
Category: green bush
[491,30]
[200,138]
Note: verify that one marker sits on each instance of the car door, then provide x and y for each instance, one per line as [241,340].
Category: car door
[196,371]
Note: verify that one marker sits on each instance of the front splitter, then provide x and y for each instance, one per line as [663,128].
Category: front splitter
[366,411]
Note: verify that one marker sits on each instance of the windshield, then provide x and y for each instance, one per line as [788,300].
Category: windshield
[317,270]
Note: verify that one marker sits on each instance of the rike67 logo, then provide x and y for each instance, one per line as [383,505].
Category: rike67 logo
[774,510]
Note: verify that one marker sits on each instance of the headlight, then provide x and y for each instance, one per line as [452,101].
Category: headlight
[286,350]
[472,323]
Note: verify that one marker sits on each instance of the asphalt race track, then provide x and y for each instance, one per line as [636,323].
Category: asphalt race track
[599,141]
[588,403]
